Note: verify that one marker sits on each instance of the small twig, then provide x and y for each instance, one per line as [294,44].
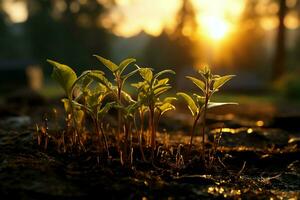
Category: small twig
[242,169]
[222,163]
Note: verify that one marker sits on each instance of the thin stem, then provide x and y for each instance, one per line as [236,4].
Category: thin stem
[119,111]
[105,140]
[126,131]
[74,121]
[140,134]
[97,130]
[204,119]
[152,122]
[193,131]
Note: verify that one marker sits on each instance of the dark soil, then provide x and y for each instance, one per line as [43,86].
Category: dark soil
[268,151]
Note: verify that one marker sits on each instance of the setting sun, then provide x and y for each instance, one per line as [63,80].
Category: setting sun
[216,19]
[215,28]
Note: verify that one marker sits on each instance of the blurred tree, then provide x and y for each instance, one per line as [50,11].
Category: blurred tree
[13,44]
[4,34]
[176,48]
[65,30]
[279,57]
[182,36]
[243,50]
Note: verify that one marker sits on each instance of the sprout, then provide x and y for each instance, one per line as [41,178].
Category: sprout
[199,103]
[150,91]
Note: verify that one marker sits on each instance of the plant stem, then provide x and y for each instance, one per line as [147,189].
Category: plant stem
[97,129]
[204,119]
[105,141]
[126,131]
[193,131]
[75,135]
[140,134]
[119,111]
[152,122]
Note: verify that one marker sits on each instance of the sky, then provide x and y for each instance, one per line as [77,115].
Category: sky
[219,18]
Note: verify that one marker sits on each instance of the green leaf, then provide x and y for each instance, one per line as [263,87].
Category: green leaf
[79,116]
[123,65]
[92,101]
[166,107]
[161,90]
[200,84]
[200,99]
[138,85]
[161,82]
[127,97]
[161,73]
[169,99]
[100,88]
[109,64]
[214,104]
[100,78]
[146,74]
[106,108]
[64,75]
[125,77]
[191,103]
[143,108]
[67,105]
[86,81]
[219,82]
[205,72]
[83,79]
[132,108]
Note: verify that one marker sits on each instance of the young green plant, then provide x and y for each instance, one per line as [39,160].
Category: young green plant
[120,78]
[92,97]
[122,97]
[200,103]
[149,93]
[67,79]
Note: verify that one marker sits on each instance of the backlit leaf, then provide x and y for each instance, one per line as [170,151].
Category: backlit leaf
[109,64]
[123,65]
[191,103]
[67,105]
[100,78]
[79,116]
[146,74]
[161,82]
[169,99]
[106,108]
[138,85]
[163,72]
[166,107]
[200,84]
[161,90]
[200,99]
[125,77]
[221,81]
[64,75]
[214,104]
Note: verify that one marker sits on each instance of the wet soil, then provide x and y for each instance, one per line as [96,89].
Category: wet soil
[258,158]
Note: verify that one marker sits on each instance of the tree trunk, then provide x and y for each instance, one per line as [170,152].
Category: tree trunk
[279,57]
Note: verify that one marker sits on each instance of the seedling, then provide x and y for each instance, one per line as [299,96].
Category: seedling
[67,79]
[86,96]
[117,91]
[200,103]
[92,102]
[149,93]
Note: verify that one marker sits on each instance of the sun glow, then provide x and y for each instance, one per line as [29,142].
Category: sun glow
[216,19]
[215,28]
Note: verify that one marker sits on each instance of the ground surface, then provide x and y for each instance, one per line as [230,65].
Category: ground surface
[266,140]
